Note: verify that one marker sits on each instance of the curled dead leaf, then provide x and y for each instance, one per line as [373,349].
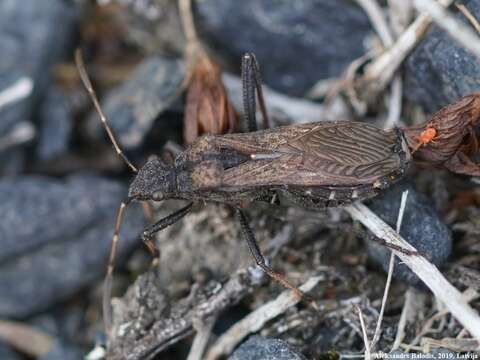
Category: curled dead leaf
[208,109]
[448,140]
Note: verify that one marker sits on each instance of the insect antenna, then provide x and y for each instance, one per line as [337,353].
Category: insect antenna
[107,285]
[88,85]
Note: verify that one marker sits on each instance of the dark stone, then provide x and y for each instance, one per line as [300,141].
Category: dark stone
[64,321]
[260,348]
[30,205]
[64,351]
[55,238]
[296,42]
[7,353]
[34,35]
[421,226]
[133,107]
[55,125]
[440,70]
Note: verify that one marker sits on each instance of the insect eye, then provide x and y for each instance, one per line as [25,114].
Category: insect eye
[157,196]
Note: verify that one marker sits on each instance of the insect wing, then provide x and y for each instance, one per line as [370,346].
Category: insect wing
[329,154]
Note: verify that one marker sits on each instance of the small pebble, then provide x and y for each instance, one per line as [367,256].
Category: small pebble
[421,226]
[260,348]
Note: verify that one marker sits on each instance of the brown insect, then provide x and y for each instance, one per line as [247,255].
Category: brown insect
[448,139]
[312,165]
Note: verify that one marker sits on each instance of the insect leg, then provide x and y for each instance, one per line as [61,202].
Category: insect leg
[107,285]
[88,85]
[147,235]
[251,80]
[395,247]
[260,259]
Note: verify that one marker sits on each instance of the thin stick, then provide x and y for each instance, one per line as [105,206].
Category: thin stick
[23,132]
[88,85]
[379,73]
[456,29]
[25,338]
[204,330]
[425,270]
[374,12]
[368,355]
[410,305]
[107,286]
[401,211]
[19,90]
[254,321]
[193,47]
[469,16]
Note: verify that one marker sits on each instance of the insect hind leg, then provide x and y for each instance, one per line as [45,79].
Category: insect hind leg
[251,81]
[260,259]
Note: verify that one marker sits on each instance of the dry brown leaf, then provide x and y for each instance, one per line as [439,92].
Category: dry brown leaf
[448,140]
[208,109]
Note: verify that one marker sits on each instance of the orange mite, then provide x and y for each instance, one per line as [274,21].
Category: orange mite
[428,135]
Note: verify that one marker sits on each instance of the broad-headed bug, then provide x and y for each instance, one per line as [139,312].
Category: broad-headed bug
[311,165]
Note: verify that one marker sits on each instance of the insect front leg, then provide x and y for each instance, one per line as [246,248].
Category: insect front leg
[251,80]
[260,259]
[147,235]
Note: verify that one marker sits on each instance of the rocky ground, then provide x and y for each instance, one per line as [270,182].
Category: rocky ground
[61,182]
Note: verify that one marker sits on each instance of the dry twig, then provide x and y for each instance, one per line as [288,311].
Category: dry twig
[204,330]
[23,132]
[425,270]
[413,301]
[26,339]
[456,29]
[178,324]
[19,90]
[379,73]
[257,319]
[374,12]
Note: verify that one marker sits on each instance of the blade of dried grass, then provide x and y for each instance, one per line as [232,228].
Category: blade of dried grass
[367,354]
[401,211]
